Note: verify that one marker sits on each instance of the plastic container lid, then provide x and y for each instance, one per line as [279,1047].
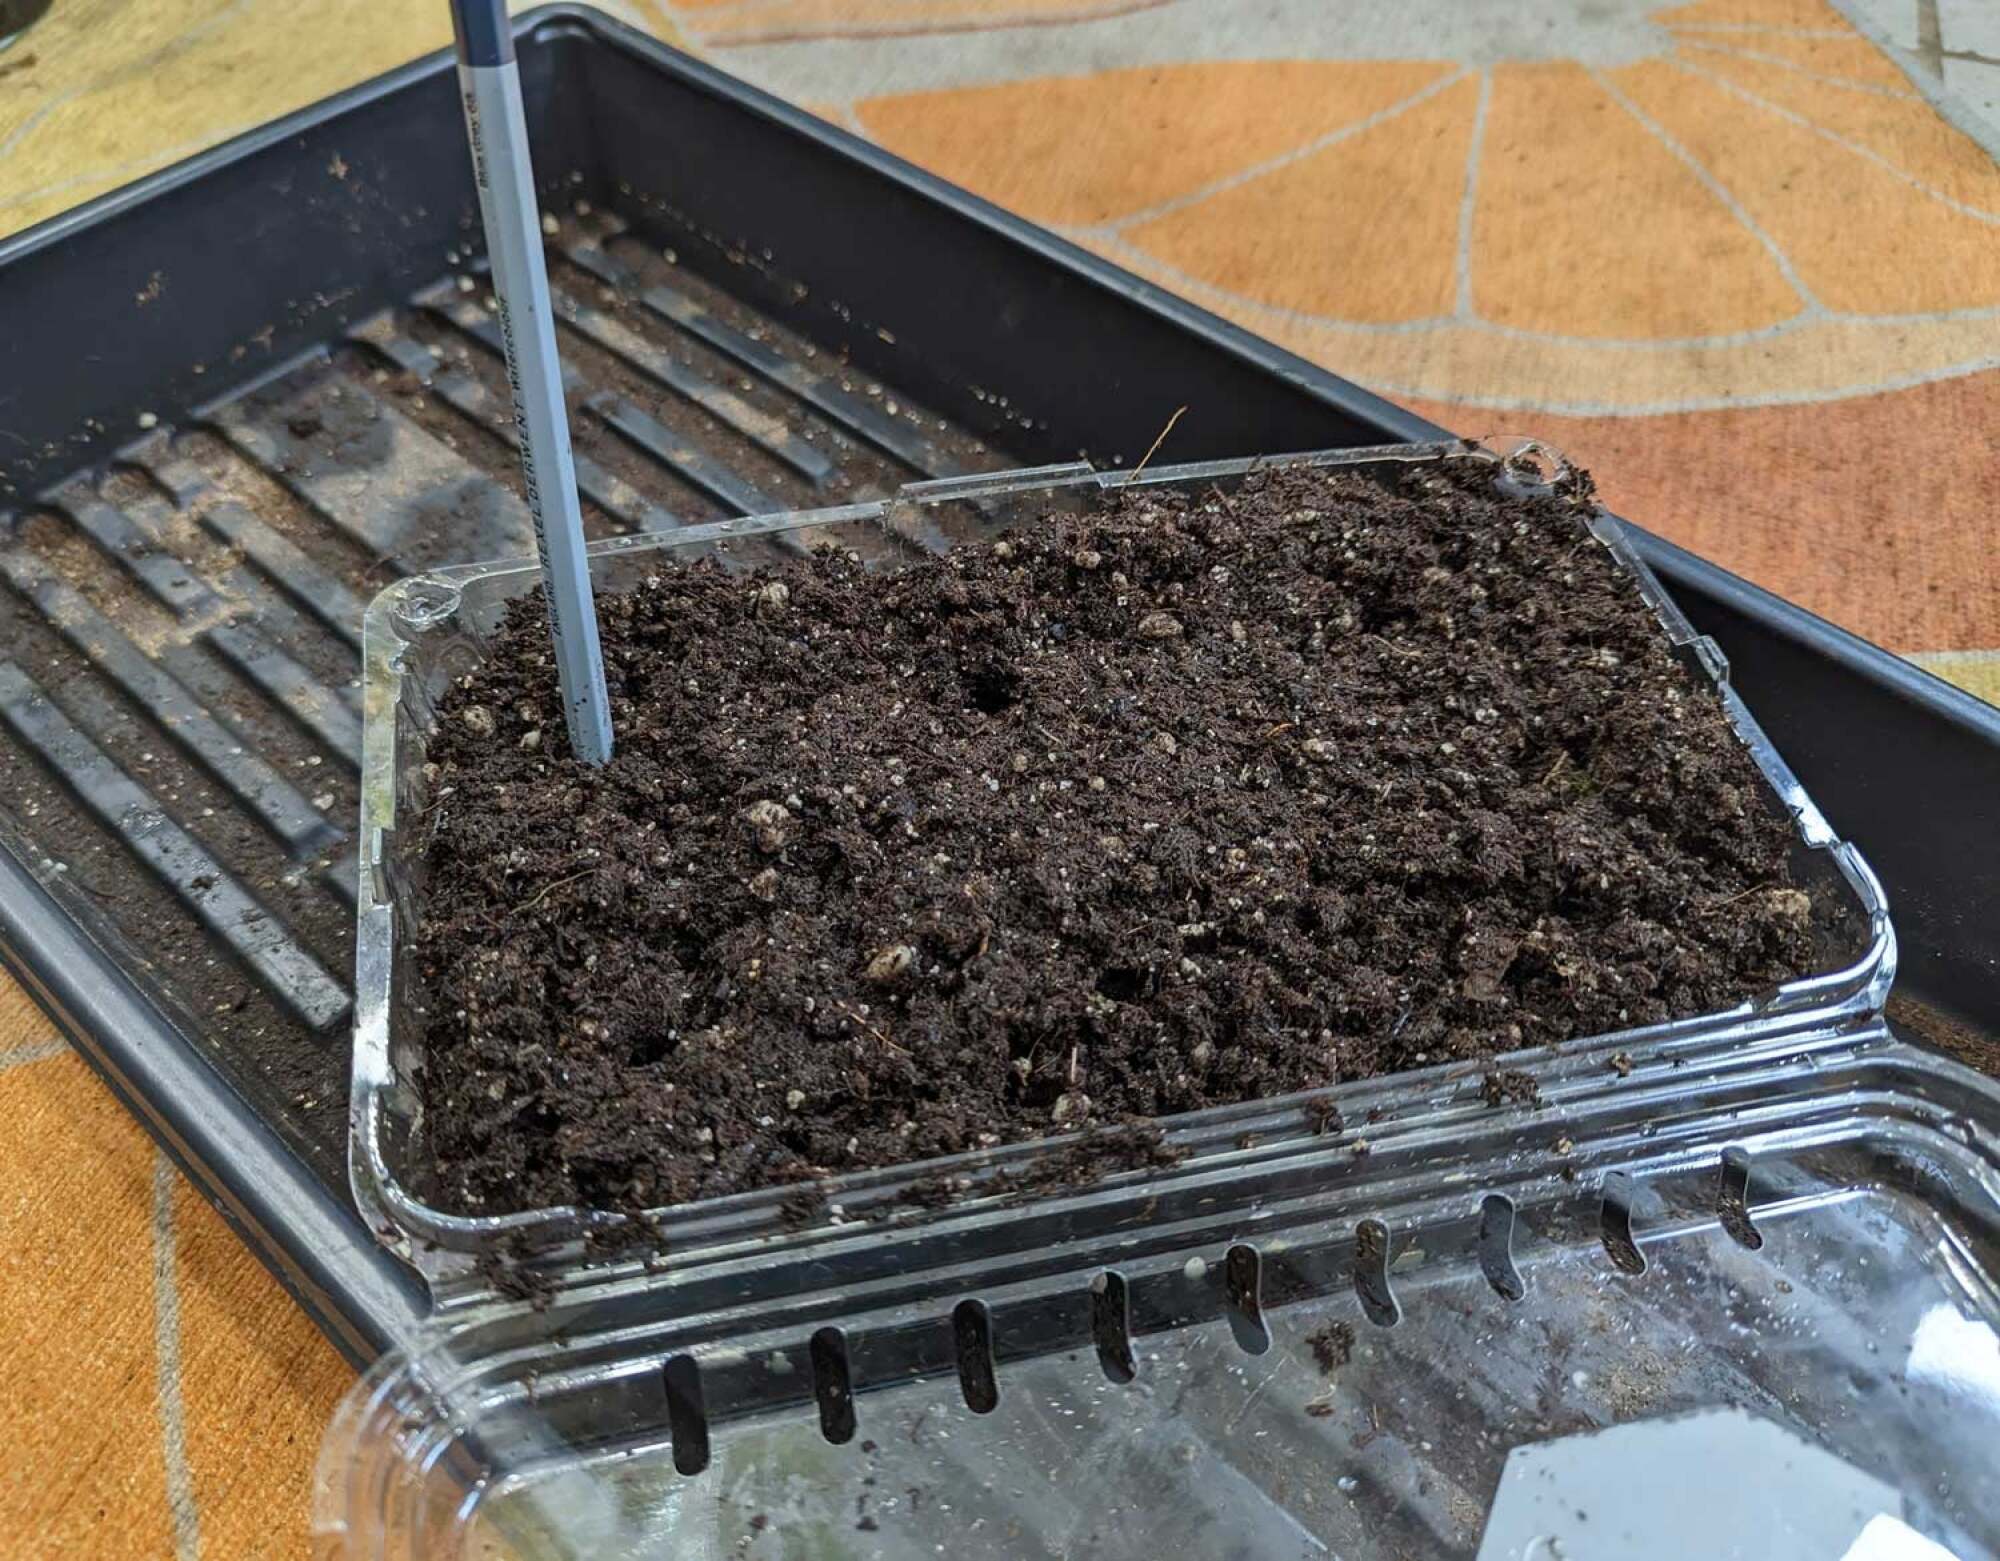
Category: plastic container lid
[1817,1233]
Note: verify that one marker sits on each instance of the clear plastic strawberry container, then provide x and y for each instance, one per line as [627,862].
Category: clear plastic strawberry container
[580,1392]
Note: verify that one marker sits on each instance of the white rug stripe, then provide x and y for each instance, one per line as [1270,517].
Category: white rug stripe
[41,1051]
[167,1349]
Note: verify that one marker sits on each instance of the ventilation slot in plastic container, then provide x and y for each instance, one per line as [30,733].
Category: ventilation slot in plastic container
[1614,1225]
[1496,1248]
[1242,1282]
[833,1385]
[1111,1326]
[1732,1199]
[1371,1274]
[972,1334]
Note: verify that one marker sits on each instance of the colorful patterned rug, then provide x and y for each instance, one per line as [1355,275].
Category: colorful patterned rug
[1741,257]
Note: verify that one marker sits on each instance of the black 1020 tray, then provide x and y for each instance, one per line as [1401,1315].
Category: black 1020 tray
[240,396]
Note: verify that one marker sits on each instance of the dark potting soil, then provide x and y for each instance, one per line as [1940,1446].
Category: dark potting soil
[1190,801]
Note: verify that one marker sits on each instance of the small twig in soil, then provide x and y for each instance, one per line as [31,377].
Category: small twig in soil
[1152,449]
[1396,650]
[549,888]
[874,1030]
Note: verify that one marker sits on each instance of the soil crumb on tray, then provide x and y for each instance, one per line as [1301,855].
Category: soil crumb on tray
[1190,801]
[1332,1346]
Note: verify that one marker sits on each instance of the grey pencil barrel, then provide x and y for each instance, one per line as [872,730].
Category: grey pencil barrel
[490,86]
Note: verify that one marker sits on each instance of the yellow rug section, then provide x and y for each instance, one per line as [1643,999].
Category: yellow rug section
[1732,258]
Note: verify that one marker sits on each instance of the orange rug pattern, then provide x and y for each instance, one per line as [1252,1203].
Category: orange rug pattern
[1739,256]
